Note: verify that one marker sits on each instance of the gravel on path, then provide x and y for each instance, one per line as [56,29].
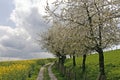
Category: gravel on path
[40,76]
[52,76]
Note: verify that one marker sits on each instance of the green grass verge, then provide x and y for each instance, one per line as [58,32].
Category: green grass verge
[112,66]
[57,73]
[35,72]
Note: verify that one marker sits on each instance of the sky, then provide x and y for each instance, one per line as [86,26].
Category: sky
[20,21]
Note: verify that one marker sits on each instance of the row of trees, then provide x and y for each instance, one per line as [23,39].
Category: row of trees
[81,26]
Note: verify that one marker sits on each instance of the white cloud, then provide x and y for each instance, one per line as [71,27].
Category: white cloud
[13,38]
[19,42]
[8,59]
[28,15]
[2,49]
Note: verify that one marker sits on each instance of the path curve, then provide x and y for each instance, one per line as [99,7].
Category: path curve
[41,72]
[40,75]
[52,76]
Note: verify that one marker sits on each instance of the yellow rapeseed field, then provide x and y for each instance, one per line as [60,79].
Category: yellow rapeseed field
[21,70]
[16,70]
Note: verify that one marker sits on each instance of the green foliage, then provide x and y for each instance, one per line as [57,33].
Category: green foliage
[58,74]
[112,66]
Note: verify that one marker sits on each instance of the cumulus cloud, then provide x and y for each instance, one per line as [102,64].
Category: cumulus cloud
[19,42]
[15,38]
[28,15]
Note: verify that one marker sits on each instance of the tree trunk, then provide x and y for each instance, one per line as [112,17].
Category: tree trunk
[74,61]
[83,63]
[101,75]
[63,59]
[70,56]
[59,60]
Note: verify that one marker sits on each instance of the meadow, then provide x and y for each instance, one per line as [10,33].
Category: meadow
[21,70]
[112,67]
